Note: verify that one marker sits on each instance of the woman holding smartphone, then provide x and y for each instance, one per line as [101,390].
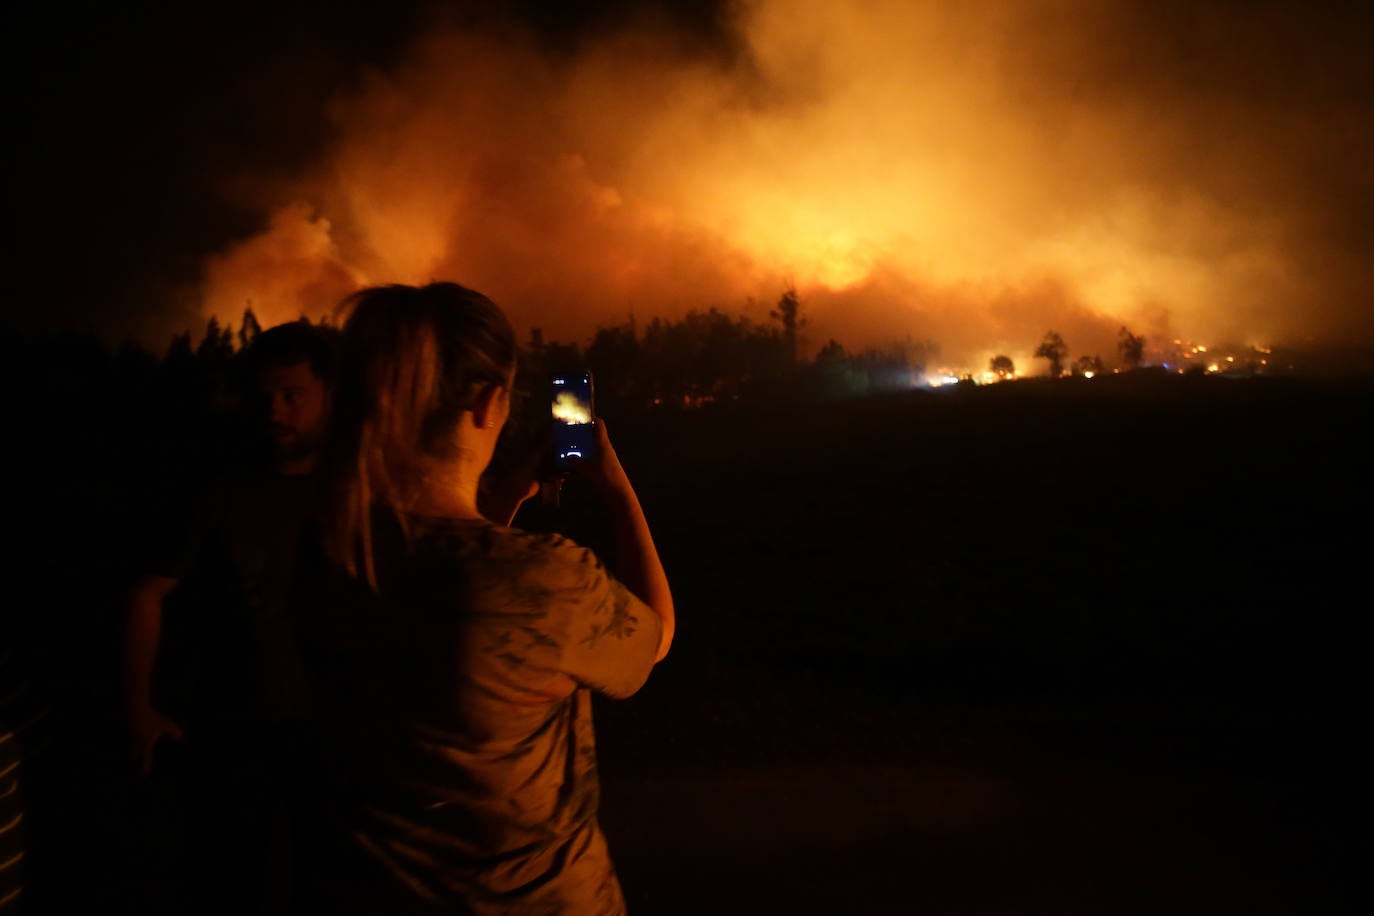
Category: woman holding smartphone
[454,656]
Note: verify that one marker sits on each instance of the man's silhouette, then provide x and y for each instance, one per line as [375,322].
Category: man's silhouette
[211,658]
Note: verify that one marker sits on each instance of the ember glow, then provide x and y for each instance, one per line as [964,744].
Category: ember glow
[969,174]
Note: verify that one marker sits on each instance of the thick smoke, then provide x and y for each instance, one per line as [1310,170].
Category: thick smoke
[972,174]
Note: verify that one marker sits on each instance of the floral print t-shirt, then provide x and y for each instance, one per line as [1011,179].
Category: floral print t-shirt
[456,705]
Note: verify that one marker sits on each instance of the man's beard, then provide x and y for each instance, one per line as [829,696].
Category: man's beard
[295,447]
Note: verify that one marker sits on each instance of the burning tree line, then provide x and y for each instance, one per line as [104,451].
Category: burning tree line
[712,356]
[1053,349]
[703,357]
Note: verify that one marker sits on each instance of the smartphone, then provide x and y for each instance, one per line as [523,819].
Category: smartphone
[572,410]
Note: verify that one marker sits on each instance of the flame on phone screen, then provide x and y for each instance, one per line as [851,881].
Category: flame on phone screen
[569,408]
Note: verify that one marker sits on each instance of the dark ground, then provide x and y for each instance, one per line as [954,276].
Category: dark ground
[1036,648]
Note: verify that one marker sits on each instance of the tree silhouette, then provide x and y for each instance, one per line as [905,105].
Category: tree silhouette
[613,357]
[788,314]
[890,366]
[217,345]
[1053,349]
[1132,348]
[135,365]
[831,353]
[179,352]
[1002,366]
[249,329]
[1086,365]
[835,373]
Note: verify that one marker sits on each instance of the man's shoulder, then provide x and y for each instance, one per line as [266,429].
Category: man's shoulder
[215,484]
[258,488]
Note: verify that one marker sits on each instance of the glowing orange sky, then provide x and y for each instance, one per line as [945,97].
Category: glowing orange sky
[971,174]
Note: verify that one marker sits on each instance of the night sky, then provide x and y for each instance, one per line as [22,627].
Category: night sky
[971,176]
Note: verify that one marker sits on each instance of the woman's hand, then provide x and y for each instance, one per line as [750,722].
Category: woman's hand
[602,469]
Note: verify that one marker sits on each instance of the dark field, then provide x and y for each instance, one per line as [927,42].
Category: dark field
[1081,647]
[1070,648]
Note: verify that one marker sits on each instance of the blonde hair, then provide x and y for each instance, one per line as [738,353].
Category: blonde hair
[413,360]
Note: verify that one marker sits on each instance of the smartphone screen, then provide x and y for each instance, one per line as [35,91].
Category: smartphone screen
[574,436]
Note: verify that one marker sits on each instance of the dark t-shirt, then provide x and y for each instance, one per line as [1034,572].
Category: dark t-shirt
[229,648]
[456,706]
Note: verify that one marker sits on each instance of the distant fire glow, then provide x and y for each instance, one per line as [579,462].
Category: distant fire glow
[971,174]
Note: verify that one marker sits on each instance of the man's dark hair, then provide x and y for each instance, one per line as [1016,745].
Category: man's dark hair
[295,342]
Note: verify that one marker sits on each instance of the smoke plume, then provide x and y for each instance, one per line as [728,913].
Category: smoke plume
[972,174]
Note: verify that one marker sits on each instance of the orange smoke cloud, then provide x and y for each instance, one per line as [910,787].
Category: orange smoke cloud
[970,174]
